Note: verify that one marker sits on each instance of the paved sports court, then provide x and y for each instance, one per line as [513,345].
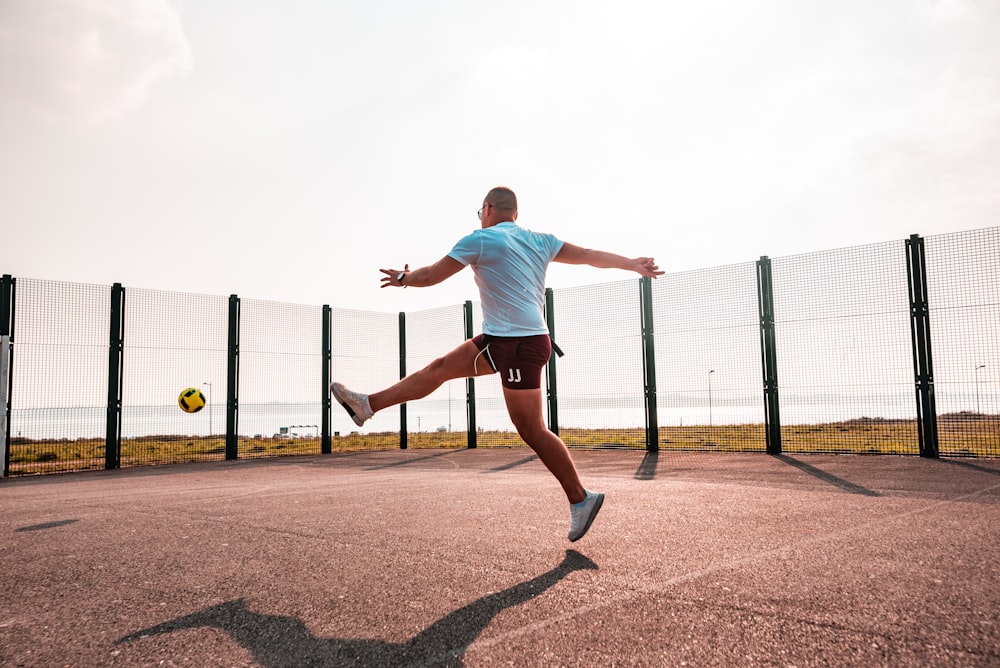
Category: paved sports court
[460,558]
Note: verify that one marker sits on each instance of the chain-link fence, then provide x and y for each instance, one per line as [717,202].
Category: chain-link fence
[890,348]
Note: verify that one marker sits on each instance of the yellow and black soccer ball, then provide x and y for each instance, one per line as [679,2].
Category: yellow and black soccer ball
[191,400]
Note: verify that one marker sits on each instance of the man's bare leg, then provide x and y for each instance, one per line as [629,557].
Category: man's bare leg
[525,409]
[462,362]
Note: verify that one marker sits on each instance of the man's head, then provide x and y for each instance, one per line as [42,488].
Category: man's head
[499,205]
[502,198]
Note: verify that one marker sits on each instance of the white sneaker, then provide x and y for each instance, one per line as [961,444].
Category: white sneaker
[355,403]
[581,515]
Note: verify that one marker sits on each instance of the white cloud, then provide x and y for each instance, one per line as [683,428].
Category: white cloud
[87,60]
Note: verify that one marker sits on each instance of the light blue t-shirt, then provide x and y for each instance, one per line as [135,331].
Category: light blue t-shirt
[510,263]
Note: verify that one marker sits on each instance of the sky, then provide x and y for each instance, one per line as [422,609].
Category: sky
[287,151]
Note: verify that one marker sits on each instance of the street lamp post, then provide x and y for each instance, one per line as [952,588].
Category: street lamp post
[710,397]
[981,366]
[209,408]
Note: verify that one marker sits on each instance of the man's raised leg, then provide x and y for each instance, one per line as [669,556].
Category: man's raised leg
[462,362]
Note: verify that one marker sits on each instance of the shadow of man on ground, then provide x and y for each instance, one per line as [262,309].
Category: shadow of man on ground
[285,641]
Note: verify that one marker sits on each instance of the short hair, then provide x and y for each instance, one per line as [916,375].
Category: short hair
[502,198]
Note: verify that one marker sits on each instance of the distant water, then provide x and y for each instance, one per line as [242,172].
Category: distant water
[90,421]
[429,415]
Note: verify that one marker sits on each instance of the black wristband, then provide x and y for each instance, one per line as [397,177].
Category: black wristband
[401,278]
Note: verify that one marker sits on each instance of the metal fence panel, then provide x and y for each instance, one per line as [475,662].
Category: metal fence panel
[599,328]
[172,341]
[438,420]
[365,358]
[708,359]
[963,282]
[60,381]
[280,398]
[845,364]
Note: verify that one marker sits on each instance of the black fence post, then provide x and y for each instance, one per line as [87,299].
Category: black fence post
[327,356]
[920,334]
[233,380]
[553,393]
[402,374]
[470,384]
[8,289]
[116,369]
[5,348]
[649,364]
[768,356]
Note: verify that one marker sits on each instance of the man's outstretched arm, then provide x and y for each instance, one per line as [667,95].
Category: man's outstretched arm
[572,254]
[423,277]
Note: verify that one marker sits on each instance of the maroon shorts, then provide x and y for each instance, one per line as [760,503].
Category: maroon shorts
[518,359]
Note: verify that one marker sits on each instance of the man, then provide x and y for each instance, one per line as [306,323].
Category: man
[510,264]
